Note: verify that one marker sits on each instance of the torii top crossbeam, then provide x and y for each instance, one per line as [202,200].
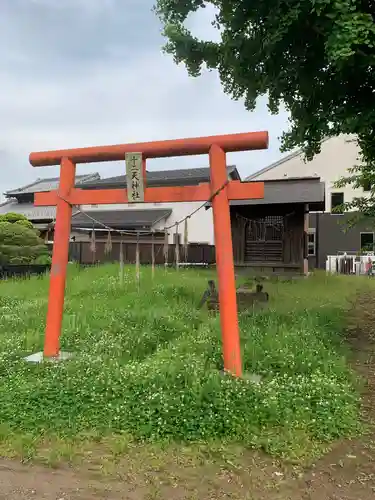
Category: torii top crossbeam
[156,149]
[218,188]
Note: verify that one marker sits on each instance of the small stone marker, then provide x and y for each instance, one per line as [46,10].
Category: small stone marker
[210,297]
[246,298]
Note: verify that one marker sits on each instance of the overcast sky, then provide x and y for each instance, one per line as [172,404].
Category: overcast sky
[92,72]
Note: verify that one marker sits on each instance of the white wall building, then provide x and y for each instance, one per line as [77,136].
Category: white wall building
[200,225]
[328,233]
[337,155]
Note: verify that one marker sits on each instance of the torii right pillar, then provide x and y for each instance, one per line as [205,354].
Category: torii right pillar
[225,262]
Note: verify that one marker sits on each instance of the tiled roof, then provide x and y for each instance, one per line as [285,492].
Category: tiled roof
[120,219]
[187,176]
[28,210]
[49,185]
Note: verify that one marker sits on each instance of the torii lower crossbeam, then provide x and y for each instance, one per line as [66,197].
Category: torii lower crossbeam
[68,195]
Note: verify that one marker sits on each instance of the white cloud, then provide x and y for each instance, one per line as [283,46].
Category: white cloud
[115,91]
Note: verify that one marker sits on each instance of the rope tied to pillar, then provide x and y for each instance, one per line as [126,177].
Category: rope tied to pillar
[122,232]
[133,232]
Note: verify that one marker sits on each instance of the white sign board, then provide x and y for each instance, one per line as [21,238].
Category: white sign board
[134,177]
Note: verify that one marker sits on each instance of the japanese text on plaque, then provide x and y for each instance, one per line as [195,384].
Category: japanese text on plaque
[134,177]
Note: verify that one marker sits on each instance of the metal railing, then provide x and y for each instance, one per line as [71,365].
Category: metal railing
[349,263]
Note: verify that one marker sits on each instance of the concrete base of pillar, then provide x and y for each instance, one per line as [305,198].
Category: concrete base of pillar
[252,377]
[39,357]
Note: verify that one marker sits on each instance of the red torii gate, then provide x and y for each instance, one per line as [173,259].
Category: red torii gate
[67,195]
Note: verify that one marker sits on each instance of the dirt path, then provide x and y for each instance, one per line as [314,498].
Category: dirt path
[346,473]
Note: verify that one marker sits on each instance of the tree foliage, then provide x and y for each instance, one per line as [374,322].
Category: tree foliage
[19,242]
[315,57]
[13,217]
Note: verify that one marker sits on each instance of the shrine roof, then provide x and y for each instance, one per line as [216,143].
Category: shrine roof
[120,219]
[180,177]
[30,211]
[286,191]
[49,184]
[306,190]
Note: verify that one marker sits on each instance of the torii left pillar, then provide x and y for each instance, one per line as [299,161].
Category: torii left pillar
[221,190]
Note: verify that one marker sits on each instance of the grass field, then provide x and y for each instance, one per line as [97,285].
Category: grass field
[147,366]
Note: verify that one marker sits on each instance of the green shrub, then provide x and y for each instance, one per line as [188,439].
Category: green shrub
[19,242]
[44,259]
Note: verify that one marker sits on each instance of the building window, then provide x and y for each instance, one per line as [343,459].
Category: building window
[337,199]
[367,185]
[311,243]
[367,242]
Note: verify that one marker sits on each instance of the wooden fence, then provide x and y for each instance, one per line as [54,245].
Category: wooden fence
[81,253]
[197,254]
[24,271]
